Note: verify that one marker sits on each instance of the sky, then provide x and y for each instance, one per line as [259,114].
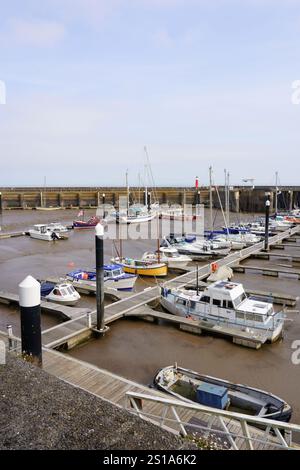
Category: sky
[89,83]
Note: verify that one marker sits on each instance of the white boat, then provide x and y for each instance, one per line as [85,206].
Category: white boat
[137,218]
[226,303]
[170,256]
[279,224]
[197,249]
[244,237]
[234,244]
[47,233]
[58,227]
[61,293]
[114,278]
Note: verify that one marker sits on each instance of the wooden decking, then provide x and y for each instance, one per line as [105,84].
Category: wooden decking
[63,311]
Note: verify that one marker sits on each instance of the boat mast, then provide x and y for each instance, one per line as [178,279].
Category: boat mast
[127,186]
[44,195]
[225,194]
[276,192]
[158,241]
[228,199]
[210,199]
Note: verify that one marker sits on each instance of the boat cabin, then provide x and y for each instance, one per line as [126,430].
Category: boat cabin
[112,271]
[228,300]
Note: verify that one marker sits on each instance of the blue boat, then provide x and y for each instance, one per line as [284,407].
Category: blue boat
[114,277]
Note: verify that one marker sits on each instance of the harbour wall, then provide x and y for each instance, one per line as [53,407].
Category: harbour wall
[244,199]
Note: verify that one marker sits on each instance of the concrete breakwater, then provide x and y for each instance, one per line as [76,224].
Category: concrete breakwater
[242,198]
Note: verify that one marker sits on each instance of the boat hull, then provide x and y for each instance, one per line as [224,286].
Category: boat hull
[272,336]
[159,271]
[68,302]
[282,411]
[39,208]
[125,284]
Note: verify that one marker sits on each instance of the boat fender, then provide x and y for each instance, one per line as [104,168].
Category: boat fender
[214,267]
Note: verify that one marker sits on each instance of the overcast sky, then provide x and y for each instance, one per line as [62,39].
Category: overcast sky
[200,82]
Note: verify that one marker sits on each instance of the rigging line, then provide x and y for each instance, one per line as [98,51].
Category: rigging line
[149,170]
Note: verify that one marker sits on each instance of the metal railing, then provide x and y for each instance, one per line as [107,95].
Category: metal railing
[228,430]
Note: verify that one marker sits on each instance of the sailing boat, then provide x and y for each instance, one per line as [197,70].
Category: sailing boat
[135,213]
[43,206]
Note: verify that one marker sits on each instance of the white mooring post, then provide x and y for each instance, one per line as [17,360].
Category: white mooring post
[30,308]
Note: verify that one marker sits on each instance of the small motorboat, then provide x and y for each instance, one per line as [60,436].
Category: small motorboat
[192,387]
[114,277]
[61,293]
[142,267]
[48,233]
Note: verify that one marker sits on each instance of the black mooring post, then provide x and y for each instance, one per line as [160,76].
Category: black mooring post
[149,201]
[267,206]
[30,308]
[0,202]
[103,205]
[99,277]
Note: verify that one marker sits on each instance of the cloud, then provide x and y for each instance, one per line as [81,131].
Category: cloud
[37,32]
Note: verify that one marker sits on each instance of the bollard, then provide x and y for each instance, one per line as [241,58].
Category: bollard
[31,336]
[10,335]
[89,319]
[267,222]
[149,201]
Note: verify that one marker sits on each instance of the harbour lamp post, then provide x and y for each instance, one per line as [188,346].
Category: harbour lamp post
[267,206]
[103,204]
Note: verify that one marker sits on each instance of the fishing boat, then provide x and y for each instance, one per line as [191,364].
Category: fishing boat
[226,303]
[170,256]
[192,387]
[47,233]
[141,267]
[61,293]
[114,277]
